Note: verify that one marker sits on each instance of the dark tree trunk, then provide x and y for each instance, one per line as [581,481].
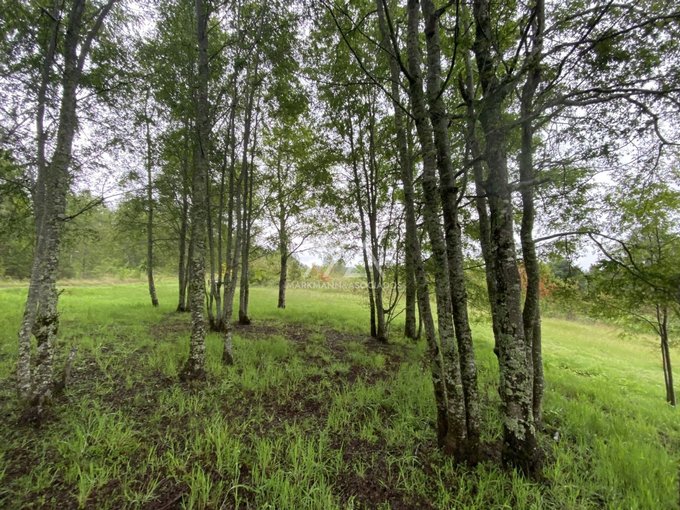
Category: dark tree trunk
[246,219]
[231,277]
[195,365]
[364,231]
[372,177]
[244,294]
[527,175]
[283,256]
[184,227]
[211,305]
[149,209]
[662,321]
[283,278]
[406,175]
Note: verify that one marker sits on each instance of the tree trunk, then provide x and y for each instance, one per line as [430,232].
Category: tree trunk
[362,220]
[40,315]
[406,175]
[372,177]
[195,365]
[516,383]
[662,320]
[149,208]
[283,256]
[213,289]
[247,202]
[474,157]
[184,228]
[283,278]
[527,174]
[232,273]
[454,243]
[456,433]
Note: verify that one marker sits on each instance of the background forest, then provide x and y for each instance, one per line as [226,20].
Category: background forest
[445,223]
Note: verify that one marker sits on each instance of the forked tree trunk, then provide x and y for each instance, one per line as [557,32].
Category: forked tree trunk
[195,365]
[41,318]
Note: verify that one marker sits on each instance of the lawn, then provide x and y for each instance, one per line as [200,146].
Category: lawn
[314,414]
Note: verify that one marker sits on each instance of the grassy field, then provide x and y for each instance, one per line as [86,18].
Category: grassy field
[316,415]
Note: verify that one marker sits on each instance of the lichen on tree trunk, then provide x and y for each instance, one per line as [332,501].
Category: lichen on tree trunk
[195,365]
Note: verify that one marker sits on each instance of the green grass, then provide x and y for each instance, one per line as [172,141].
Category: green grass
[314,415]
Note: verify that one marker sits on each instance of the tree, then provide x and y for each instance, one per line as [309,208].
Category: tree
[295,169]
[83,22]
[195,365]
[638,275]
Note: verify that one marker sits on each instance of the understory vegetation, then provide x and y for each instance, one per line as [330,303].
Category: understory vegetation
[316,414]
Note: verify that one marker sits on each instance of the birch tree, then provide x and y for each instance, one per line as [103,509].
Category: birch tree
[73,28]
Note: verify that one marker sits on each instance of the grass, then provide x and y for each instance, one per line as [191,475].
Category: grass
[315,415]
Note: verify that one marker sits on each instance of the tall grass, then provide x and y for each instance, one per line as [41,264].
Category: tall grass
[318,421]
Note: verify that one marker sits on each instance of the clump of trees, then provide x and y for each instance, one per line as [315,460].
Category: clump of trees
[426,134]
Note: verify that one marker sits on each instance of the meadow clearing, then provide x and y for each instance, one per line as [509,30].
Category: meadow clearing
[316,415]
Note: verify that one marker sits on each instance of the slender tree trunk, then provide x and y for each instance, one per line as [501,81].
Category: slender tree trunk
[195,365]
[247,201]
[474,157]
[413,243]
[283,278]
[232,276]
[662,321]
[362,219]
[212,284]
[532,310]
[456,433]
[371,177]
[454,244]
[149,209]
[406,174]
[222,258]
[244,294]
[516,382]
[434,354]
[283,256]
[184,227]
[233,228]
